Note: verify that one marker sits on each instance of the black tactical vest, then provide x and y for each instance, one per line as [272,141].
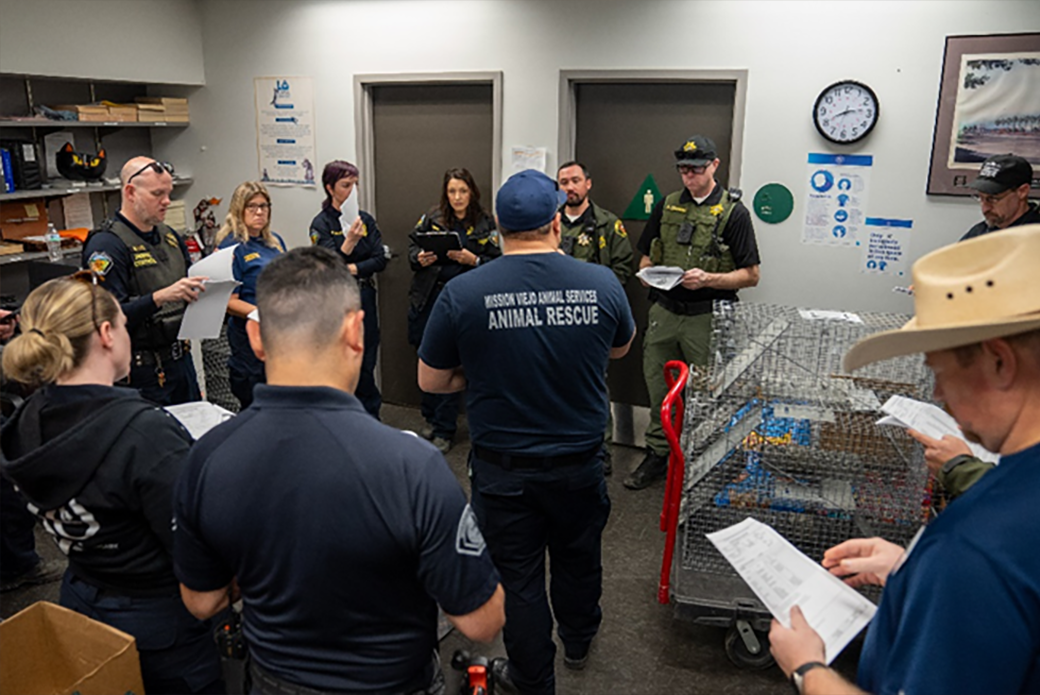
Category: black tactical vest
[153,267]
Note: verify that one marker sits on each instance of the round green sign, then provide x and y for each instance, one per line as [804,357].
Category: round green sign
[773,203]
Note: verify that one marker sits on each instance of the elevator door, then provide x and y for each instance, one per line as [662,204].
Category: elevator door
[419,132]
[624,131]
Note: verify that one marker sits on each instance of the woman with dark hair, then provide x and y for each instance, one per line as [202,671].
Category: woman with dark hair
[248,224]
[361,248]
[459,211]
[98,464]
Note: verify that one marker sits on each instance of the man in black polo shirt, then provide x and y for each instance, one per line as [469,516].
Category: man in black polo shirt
[537,426]
[144,264]
[341,533]
[705,230]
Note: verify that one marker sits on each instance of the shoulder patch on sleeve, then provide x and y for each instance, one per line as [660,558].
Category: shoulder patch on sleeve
[314,237]
[468,539]
[100,263]
[619,229]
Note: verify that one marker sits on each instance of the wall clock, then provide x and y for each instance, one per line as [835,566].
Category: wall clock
[846,112]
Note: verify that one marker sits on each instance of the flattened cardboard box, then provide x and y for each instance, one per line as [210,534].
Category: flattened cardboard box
[49,650]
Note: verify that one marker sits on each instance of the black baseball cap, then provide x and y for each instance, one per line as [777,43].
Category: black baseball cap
[698,151]
[1001,172]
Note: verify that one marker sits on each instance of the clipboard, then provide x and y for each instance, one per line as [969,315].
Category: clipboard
[439,242]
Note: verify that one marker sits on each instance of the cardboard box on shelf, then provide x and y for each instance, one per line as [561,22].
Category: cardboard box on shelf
[121,113]
[176,108]
[22,218]
[87,112]
[49,649]
[150,113]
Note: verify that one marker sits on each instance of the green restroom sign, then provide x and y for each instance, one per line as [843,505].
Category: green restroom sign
[643,201]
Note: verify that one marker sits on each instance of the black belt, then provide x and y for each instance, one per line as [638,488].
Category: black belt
[366,282]
[269,684]
[684,308]
[170,353]
[534,463]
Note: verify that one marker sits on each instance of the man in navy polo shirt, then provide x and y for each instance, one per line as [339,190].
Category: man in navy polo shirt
[529,338]
[341,533]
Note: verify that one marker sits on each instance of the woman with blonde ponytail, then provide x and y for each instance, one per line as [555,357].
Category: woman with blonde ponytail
[97,464]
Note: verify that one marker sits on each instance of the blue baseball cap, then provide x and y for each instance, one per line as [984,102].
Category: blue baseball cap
[528,200]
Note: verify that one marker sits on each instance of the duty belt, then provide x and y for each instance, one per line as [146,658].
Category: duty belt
[683,308]
[533,463]
[170,353]
[267,683]
[366,282]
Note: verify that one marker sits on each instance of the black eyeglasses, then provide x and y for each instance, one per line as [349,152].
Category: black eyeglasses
[158,167]
[691,169]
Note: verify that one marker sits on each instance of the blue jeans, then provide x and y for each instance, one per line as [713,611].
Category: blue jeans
[177,651]
[521,514]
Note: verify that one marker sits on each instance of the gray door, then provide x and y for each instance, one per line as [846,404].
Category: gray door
[419,132]
[624,131]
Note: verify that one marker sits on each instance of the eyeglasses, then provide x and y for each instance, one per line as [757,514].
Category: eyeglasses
[89,278]
[992,199]
[688,169]
[258,207]
[158,167]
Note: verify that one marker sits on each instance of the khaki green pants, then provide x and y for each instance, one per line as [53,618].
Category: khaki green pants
[670,337]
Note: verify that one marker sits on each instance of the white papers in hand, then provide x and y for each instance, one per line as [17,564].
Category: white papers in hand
[254,315]
[663,277]
[782,576]
[348,212]
[199,417]
[929,420]
[204,316]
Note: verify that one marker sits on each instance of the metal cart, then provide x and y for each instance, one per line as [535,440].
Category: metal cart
[774,429]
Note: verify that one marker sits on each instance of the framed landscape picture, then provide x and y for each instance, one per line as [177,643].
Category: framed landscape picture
[989,103]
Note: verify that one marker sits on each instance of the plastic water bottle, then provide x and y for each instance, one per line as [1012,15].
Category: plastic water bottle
[53,244]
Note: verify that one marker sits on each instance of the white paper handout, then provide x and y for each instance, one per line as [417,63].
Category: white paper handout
[663,277]
[929,420]
[783,576]
[204,316]
[348,212]
[199,417]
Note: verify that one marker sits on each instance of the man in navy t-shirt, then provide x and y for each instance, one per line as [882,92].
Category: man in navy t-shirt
[341,533]
[529,338]
[961,607]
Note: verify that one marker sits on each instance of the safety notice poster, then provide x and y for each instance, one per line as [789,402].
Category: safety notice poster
[836,199]
[285,130]
[885,246]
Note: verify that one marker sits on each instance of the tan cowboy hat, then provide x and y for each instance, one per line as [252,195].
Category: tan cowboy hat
[975,290]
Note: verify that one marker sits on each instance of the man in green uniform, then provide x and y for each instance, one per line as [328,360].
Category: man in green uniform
[706,231]
[594,235]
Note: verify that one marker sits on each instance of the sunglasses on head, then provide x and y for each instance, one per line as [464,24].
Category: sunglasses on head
[90,278]
[158,167]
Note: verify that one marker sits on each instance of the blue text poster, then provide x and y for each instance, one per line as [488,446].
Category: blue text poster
[285,130]
[836,199]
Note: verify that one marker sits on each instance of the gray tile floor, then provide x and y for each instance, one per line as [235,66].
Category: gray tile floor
[640,648]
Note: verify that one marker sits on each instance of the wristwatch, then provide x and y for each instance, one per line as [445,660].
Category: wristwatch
[798,676]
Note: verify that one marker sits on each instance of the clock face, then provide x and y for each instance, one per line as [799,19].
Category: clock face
[846,111]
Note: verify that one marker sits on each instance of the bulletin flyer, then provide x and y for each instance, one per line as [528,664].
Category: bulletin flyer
[836,199]
[285,130]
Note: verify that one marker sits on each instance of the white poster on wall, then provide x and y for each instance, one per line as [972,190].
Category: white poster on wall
[836,199]
[885,246]
[285,130]
[524,158]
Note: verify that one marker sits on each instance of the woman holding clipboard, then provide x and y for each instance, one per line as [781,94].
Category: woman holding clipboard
[360,244]
[453,237]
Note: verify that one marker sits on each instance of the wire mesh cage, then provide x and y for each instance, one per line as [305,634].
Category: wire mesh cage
[776,430]
[215,355]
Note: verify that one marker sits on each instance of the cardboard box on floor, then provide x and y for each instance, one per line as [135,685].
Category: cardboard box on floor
[50,650]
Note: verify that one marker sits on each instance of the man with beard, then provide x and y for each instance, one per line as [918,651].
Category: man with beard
[145,264]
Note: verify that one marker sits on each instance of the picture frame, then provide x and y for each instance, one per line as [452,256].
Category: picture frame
[989,103]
